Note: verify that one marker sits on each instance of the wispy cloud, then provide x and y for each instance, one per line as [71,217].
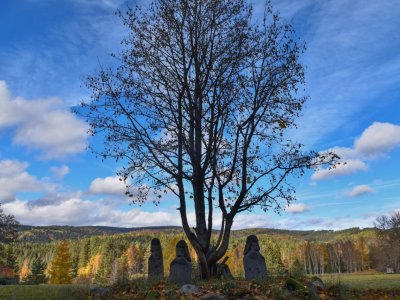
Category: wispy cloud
[360,190]
[351,59]
[55,60]
[59,172]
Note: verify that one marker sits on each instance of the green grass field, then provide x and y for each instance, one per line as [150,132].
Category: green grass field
[39,292]
[364,281]
[347,283]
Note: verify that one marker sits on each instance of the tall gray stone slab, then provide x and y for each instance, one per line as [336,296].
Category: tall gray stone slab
[181,267]
[156,263]
[253,261]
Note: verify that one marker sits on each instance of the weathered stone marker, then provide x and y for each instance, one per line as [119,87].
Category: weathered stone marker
[181,267]
[253,261]
[156,264]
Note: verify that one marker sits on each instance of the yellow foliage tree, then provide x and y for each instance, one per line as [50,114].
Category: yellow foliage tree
[24,273]
[90,270]
[60,270]
[135,259]
[169,252]
[235,261]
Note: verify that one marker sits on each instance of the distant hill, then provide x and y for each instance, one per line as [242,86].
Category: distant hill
[29,233]
[310,251]
[53,233]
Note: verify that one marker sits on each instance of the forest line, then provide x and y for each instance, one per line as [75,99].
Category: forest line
[112,258]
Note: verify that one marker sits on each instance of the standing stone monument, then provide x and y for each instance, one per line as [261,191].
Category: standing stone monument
[253,261]
[156,264]
[180,271]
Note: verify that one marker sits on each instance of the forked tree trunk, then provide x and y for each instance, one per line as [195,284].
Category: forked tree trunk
[208,257]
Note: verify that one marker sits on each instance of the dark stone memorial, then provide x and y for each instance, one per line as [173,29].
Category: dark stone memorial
[253,261]
[181,267]
[156,264]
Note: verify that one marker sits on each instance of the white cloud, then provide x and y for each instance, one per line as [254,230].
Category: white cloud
[59,172]
[245,220]
[112,185]
[44,125]
[14,178]
[76,211]
[297,208]
[350,167]
[360,190]
[378,139]
[344,152]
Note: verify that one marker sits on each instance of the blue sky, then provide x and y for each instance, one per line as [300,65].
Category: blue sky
[48,177]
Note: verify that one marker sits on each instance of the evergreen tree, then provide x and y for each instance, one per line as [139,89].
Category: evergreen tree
[84,254]
[107,258]
[2,254]
[37,272]
[74,265]
[10,258]
[123,275]
[60,270]
[273,259]
[297,269]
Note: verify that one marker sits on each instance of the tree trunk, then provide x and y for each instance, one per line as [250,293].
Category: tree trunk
[209,258]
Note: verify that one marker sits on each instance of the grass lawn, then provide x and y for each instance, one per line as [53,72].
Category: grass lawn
[364,281]
[48,292]
[343,286]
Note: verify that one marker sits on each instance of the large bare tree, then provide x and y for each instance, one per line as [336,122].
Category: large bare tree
[198,107]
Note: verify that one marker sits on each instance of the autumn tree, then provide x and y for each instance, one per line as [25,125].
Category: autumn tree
[235,260]
[60,265]
[169,252]
[90,270]
[135,259]
[25,271]
[198,107]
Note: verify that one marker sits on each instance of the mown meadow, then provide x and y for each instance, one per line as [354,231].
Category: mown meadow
[338,286]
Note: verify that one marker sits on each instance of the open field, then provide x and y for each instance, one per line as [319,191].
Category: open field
[364,281]
[48,292]
[339,286]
